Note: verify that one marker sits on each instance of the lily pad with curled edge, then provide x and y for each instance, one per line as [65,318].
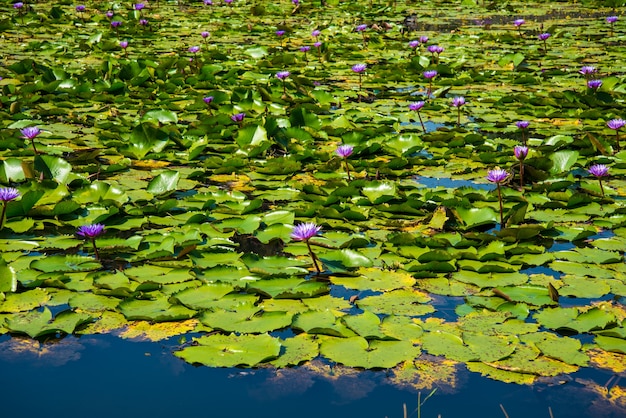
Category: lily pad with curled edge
[495,323]
[231,350]
[501,373]
[66,263]
[375,354]
[288,288]
[156,274]
[321,322]
[584,287]
[247,320]
[36,324]
[530,294]
[157,310]
[379,191]
[426,373]
[367,325]
[275,266]
[398,302]
[616,362]
[401,328]
[589,255]
[202,297]
[147,331]
[475,217]
[574,320]
[301,348]
[484,280]
[566,349]
[375,279]
[25,301]
[617,345]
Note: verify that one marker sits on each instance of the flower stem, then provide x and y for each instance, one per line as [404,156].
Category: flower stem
[421,121]
[347,169]
[521,175]
[313,257]
[617,147]
[95,249]
[601,188]
[4,211]
[458,118]
[524,137]
[501,209]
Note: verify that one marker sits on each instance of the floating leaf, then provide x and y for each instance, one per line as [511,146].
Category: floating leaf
[231,350]
[358,352]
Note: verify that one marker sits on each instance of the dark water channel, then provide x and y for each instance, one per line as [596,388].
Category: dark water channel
[104,376]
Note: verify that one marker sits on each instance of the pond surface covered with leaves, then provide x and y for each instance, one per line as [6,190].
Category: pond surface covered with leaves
[464,170]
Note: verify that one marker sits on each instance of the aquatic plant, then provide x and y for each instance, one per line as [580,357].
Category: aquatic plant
[594,84]
[359,69]
[304,232]
[344,151]
[498,176]
[205,35]
[124,46]
[544,37]
[518,24]
[31,133]
[282,76]
[361,29]
[415,107]
[238,118]
[599,171]
[304,49]
[429,75]
[616,125]
[520,152]
[523,126]
[91,232]
[458,102]
[435,50]
[611,21]
[7,194]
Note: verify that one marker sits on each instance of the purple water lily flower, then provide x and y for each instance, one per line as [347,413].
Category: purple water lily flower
[31,133]
[18,5]
[80,8]
[544,36]
[316,33]
[588,70]
[599,171]
[124,44]
[281,75]
[139,6]
[522,124]
[458,101]
[208,2]
[416,106]
[7,194]
[518,22]
[207,99]
[498,176]
[194,49]
[520,152]
[91,232]
[430,74]
[361,28]
[344,151]
[280,32]
[116,24]
[109,14]
[611,19]
[317,44]
[305,48]
[435,49]
[423,39]
[205,34]
[616,124]
[359,68]
[304,232]
[143,22]
[414,44]
[238,117]
[594,84]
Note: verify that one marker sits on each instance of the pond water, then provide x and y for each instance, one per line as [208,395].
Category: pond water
[104,376]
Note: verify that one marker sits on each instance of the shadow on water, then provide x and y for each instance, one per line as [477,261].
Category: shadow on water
[448,183]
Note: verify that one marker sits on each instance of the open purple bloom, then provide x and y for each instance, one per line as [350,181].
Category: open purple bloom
[458,101]
[238,117]
[8,193]
[30,133]
[588,70]
[194,49]
[359,68]
[80,8]
[280,32]
[109,14]
[316,33]
[205,34]
[497,175]
[611,19]
[281,75]
[208,2]
[361,28]
[116,23]
[416,106]
[305,231]
[139,6]
[414,44]
[18,5]
[544,36]
[344,151]
[430,74]
[518,22]
[594,84]
[423,39]
[228,1]
[435,49]
[207,99]
[520,152]
[124,44]
[90,231]
[143,22]
[522,124]
[317,44]
[305,48]
[599,170]
[616,124]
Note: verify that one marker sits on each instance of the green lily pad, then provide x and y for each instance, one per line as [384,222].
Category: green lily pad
[358,352]
[231,350]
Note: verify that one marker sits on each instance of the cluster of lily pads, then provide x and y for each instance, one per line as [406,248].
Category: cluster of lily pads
[280,208]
